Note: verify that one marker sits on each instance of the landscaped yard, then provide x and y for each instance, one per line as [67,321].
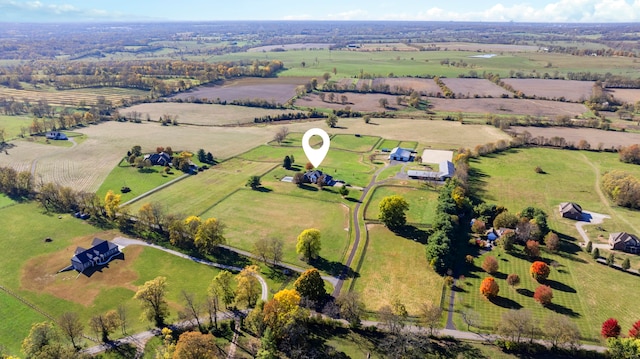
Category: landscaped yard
[250,215]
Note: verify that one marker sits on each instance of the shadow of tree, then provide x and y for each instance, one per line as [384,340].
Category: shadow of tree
[555,285]
[263,189]
[307,187]
[560,309]
[526,292]
[412,232]
[225,256]
[499,275]
[333,268]
[505,303]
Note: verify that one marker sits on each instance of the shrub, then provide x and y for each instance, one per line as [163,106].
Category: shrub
[589,247]
[552,241]
[543,294]
[539,270]
[532,248]
[634,332]
[490,265]
[610,328]
[478,226]
[626,264]
[539,169]
[595,253]
[469,258]
[489,288]
[611,260]
[513,279]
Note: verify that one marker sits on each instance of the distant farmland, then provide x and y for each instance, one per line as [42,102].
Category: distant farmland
[577,91]
[278,90]
[74,97]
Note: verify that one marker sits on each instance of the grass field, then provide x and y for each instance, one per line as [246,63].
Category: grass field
[5,201]
[12,125]
[197,194]
[284,217]
[509,179]
[353,143]
[73,97]
[139,181]
[395,267]
[422,203]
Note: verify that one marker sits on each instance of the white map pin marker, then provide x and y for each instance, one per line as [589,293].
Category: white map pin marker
[315,156]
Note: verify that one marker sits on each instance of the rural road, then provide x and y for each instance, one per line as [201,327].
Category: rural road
[124,242]
[356,223]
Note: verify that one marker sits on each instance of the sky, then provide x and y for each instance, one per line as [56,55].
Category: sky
[583,11]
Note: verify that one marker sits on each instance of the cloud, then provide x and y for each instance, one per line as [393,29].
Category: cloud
[37,10]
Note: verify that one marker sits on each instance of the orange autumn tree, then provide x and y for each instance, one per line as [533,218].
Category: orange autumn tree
[543,294]
[489,288]
[539,270]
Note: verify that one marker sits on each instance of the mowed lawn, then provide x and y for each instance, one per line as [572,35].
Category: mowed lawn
[5,201]
[422,203]
[197,194]
[509,179]
[250,215]
[395,267]
[12,125]
[139,181]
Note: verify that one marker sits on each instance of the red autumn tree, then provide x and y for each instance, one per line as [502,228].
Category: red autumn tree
[634,332]
[532,248]
[490,264]
[610,328]
[539,270]
[489,288]
[543,294]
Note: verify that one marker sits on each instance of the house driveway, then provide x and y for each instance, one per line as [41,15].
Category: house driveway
[589,218]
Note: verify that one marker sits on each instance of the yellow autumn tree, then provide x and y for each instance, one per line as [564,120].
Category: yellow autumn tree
[248,289]
[282,310]
[111,204]
[191,225]
[209,235]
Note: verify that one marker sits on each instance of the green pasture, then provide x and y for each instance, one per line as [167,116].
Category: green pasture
[408,144]
[138,180]
[351,167]
[388,144]
[391,267]
[15,322]
[5,201]
[404,63]
[197,194]
[249,215]
[12,125]
[354,143]
[422,203]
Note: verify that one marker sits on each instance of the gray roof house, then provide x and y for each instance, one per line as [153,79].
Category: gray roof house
[624,241]
[100,253]
[400,154]
[159,159]
[56,135]
[447,169]
[313,176]
[570,210]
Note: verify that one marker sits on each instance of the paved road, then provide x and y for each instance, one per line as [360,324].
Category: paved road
[123,242]
[356,223]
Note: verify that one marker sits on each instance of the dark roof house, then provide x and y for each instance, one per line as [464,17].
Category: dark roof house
[55,135]
[624,241]
[570,210]
[100,253]
[313,176]
[159,159]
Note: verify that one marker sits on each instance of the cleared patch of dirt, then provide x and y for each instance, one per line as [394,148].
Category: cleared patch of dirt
[508,106]
[576,91]
[473,87]
[40,274]
[357,102]
[426,87]
[279,90]
[608,139]
[626,95]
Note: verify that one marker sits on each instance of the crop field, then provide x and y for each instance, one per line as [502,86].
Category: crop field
[575,91]
[468,46]
[204,114]
[609,139]
[626,95]
[289,47]
[474,87]
[249,215]
[278,90]
[422,203]
[392,264]
[391,46]
[73,97]
[197,194]
[423,86]
[357,102]
[508,106]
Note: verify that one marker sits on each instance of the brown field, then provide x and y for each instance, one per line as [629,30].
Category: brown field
[424,86]
[73,97]
[204,114]
[608,139]
[507,106]
[472,87]
[626,95]
[346,82]
[396,46]
[357,102]
[39,275]
[576,91]
[279,90]
[289,47]
[466,46]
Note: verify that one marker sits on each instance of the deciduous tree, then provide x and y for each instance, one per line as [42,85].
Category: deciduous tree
[153,294]
[209,235]
[281,311]
[561,331]
[309,244]
[253,182]
[192,309]
[490,264]
[104,324]
[223,283]
[286,163]
[515,323]
[351,307]
[552,241]
[532,248]
[195,345]
[513,280]
[539,270]
[610,328]
[505,220]
[248,288]
[430,316]
[111,204]
[310,285]
[634,332]
[71,326]
[489,288]
[543,295]
[392,211]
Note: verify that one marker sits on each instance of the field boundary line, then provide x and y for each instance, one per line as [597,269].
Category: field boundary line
[27,303]
[154,190]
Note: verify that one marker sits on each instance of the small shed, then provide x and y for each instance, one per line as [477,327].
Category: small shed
[570,210]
